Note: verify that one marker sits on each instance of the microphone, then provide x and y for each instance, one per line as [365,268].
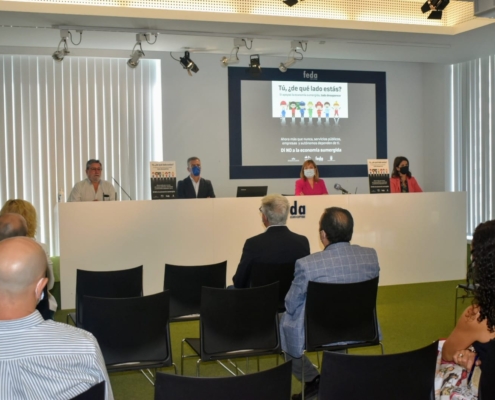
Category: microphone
[338,187]
[118,184]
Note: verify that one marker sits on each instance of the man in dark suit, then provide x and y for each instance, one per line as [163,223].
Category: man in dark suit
[194,186]
[276,245]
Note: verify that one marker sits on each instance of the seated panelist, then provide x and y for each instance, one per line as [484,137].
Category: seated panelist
[402,181]
[194,186]
[310,183]
[93,188]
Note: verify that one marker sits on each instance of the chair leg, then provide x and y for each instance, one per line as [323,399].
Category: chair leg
[149,377]
[197,367]
[318,358]
[381,345]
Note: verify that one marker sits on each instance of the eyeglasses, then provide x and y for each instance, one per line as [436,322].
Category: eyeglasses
[96,169]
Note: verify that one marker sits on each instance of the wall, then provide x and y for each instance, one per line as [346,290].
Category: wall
[195,118]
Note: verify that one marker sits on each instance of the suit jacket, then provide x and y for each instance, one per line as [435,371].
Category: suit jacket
[412,184]
[338,263]
[185,189]
[276,245]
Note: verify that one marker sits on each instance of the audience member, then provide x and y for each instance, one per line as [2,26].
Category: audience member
[468,343]
[277,245]
[12,225]
[27,210]
[38,358]
[339,262]
[93,188]
[194,186]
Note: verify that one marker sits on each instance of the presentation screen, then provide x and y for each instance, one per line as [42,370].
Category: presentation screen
[279,120]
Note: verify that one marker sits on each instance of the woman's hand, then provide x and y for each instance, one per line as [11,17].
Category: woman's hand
[466,358]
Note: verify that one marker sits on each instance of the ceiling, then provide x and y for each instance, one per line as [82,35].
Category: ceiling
[36,26]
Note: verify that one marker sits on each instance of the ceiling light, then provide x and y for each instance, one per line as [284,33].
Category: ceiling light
[137,54]
[436,7]
[188,64]
[294,55]
[62,52]
[229,61]
[133,62]
[286,65]
[254,64]
[290,3]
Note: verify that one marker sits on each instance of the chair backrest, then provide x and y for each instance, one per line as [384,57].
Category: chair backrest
[113,284]
[487,384]
[274,384]
[341,313]
[96,392]
[264,274]
[185,283]
[130,330]
[239,320]
[404,376]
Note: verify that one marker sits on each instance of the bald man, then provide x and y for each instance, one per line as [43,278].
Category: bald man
[12,225]
[40,359]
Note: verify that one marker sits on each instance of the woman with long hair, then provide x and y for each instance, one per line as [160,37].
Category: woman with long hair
[402,181]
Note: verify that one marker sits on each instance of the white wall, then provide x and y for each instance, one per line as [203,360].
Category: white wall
[204,133]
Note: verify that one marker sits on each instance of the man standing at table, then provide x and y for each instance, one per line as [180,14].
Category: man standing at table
[339,262]
[194,187]
[277,245]
[93,188]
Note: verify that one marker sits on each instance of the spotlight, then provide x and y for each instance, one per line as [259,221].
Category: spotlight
[436,7]
[62,52]
[286,65]
[291,3]
[229,61]
[188,64]
[254,65]
[133,62]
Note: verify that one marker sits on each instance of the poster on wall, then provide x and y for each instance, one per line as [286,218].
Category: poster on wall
[163,180]
[378,175]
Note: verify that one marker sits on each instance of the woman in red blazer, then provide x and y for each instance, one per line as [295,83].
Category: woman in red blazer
[401,180]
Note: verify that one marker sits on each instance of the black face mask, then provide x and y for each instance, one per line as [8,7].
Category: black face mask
[404,170]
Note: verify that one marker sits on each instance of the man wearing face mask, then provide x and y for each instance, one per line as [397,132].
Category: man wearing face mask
[194,187]
[40,359]
[339,262]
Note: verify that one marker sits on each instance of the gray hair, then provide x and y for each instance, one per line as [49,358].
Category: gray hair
[12,225]
[276,209]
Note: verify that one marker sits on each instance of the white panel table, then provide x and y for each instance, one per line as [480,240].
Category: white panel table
[419,237]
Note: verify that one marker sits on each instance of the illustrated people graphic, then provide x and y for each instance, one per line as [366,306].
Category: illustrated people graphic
[336,108]
[302,108]
[327,110]
[283,109]
[293,107]
[319,107]
[310,109]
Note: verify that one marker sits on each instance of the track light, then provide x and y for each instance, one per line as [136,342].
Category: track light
[436,7]
[137,54]
[62,52]
[254,64]
[291,3]
[229,61]
[188,64]
[233,59]
[294,55]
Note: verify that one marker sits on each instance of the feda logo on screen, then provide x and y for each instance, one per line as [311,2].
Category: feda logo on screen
[297,212]
[310,75]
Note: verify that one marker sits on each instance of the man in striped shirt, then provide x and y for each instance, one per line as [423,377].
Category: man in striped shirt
[39,359]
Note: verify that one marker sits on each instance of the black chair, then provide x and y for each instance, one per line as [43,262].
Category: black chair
[264,274]
[96,392]
[341,316]
[185,283]
[112,284]
[236,323]
[273,384]
[133,333]
[404,376]
[487,383]
[468,293]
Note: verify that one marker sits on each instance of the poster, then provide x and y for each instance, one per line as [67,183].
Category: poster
[378,175]
[163,180]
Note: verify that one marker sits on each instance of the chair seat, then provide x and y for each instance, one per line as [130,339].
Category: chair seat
[132,366]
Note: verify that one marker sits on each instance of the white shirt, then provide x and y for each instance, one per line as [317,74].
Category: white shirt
[85,191]
[48,360]
[195,184]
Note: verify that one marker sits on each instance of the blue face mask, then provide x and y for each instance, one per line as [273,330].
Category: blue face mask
[196,170]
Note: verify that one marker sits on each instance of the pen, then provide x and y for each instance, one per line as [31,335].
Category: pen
[472,369]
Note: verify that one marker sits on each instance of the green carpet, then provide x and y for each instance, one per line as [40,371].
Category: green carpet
[411,316]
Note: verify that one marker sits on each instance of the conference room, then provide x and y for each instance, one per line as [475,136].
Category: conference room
[427,81]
